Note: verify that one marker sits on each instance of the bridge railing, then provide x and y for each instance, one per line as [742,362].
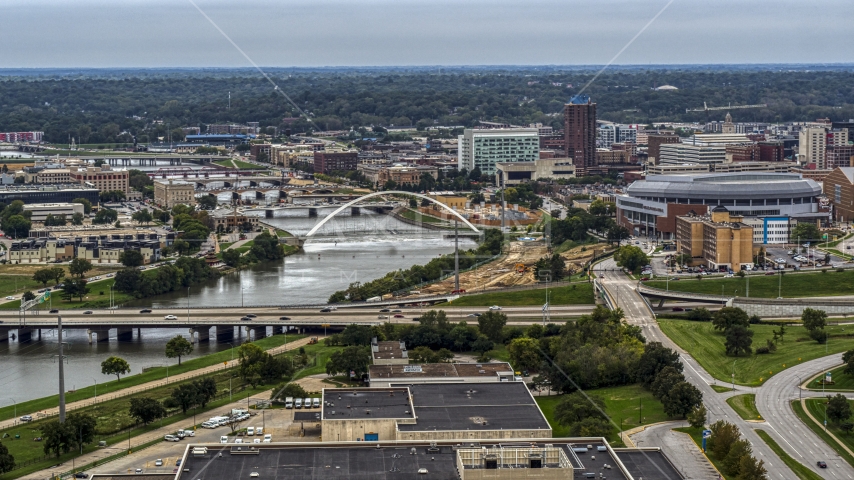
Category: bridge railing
[658,292]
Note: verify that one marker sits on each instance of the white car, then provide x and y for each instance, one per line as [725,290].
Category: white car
[495,307]
[254,475]
[158,462]
[170,317]
[238,440]
[10,297]
[256,440]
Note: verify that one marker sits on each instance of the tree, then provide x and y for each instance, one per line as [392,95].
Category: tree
[590,427]
[482,344]
[207,202]
[681,400]
[77,219]
[727,317]
[16,226]
[231,258]
[655,358]
[631,257]
[848,360]
[738,340]
[576,406]
[732,462]
[87,205]
[617,233]
[815,321]
[666,379]
[293,390]
[112,196]
[146,409]
[7,461]
[105,216]
[723,436]
[838,408]
[43,275]
[749,468]
[76,287]
[185,396]
[142,216]
[79,267]
[805,232]
[115,366]
[78,430]
[28,295]
[131,258]
[178,347]
[524,353]
[697,416]
[492,325]
[351,360]
[423,354]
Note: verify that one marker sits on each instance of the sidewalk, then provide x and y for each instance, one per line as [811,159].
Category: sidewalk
[153,384]
[123,447]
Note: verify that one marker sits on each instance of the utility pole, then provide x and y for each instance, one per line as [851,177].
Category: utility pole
[61,372]
[503,208]
[456,256]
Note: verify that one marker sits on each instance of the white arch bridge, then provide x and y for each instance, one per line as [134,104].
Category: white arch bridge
[393,192]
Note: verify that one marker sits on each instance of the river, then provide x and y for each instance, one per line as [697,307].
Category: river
[363,248]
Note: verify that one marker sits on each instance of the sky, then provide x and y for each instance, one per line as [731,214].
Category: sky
[303,33]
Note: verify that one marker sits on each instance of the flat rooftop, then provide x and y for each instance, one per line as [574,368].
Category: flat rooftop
[367,462]
[362,403]
[474,406]
[452,370]
[388,350]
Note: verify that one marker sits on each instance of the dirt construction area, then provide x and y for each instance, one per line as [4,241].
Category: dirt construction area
[514,268]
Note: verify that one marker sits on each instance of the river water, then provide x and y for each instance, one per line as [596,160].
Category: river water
[347,249]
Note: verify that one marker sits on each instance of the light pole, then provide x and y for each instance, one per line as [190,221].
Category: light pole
[111,298]
[733,375]
[241,296]
[96,387]
[780,286]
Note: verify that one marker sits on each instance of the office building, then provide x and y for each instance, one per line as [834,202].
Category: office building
[329,161]
[654,143]
[718,240]
[47,194]
[839,188]
[400,174]
[839,156]
[53,176]
[40,211]
[168,193]
[21,137]
[104,178]
[98,249]
[812,147]
[650,206]
[609,134]
[483,148]
[579,117]
[514,173]
[677,153]
[225,221]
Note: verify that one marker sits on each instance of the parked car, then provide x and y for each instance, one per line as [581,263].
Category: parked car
[170,317]
[145,310]
[171,438]
[158,462]
[27,418]
[81,475]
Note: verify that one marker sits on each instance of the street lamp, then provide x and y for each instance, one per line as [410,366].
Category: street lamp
[733,375]
[111,298]
[96,387]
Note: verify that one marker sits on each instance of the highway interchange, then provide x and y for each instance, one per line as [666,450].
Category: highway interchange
[772,399]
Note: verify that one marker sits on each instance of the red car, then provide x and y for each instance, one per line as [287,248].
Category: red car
[398,316]
[678,309]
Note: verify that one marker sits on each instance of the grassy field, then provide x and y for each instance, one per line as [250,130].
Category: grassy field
[745,406]
[798,468]
[240,164]
[816,408]
[806,284]
[707,346]
[841,381]
[622,405]
[156,373]
[696,435]
[575,294]
[721,389]
[98,297]
[283,234]
[19,278]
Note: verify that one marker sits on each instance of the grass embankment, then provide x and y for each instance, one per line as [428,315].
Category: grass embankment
[151,374]
[816,408]
[721,389]
[239,163]
[98,297]
[573,294]
[802,472]
[841,381]
[792,285]
[19,278]
[418,217]
[706,345]
[622,404]
[745,406]
[283,234]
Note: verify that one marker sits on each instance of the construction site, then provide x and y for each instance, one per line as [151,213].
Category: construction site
[514,268]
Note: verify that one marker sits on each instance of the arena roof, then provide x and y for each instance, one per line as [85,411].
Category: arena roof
[725,186]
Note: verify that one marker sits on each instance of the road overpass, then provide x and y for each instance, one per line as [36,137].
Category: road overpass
[222,323]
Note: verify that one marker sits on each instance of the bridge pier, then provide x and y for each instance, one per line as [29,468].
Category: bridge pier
[661,303]
[312,212]
[4,334]
[25,334]
[200,334]
[278,330]
[354,211]
[268,213]
[224,334]
[102,334]
[124,333]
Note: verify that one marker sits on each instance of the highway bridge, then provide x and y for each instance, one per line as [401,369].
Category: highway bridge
[225,323]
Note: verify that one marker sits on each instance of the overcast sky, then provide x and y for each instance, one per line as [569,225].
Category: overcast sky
[155,33]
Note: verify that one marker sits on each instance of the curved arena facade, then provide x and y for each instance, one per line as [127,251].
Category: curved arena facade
[773,201]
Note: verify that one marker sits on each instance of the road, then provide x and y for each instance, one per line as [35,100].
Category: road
[621,289]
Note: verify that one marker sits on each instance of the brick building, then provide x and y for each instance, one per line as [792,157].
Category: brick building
[326,162]
[654,143]
[579,117]
[839,188]
[104,178]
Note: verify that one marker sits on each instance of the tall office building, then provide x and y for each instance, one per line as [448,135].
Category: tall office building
[812,145]
[579,117]
[483,148]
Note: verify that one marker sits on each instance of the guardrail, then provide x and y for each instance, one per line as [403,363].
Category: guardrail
[675,294]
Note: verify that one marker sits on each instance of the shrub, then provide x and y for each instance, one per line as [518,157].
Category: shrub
[762,350]
[840,270]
